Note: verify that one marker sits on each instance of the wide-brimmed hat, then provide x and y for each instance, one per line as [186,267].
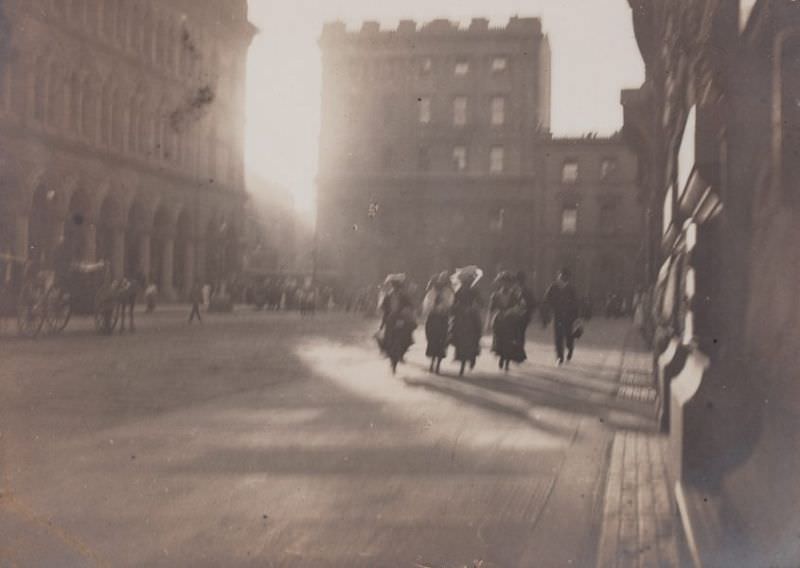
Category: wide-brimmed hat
[468,275]
[395,279]
[505,277]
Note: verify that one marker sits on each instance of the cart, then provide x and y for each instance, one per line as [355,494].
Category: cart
[87,290]
[22,295]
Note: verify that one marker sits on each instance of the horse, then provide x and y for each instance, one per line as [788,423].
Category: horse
[125,292]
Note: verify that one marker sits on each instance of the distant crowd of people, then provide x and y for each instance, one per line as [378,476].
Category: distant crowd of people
[277,294]
[453,310]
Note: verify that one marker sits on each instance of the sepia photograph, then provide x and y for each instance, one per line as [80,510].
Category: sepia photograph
[384,284]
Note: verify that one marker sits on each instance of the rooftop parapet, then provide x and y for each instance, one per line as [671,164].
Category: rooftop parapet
[516,25]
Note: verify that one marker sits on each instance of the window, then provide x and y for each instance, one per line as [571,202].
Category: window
[460,111]
[607,168]
[569,172]
[498,111]
[424,104]
[496,160]
[461,68]
[499,64]
[423,160]
[460,158]
[569,221]
[426,66]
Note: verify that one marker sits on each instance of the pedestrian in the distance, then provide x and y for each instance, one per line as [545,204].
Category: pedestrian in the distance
[436,308]
[530,303]
[508,312]
[561,301]
[196,297]
[467,326]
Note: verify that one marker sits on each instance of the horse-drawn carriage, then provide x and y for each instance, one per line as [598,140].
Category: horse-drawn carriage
[44,302]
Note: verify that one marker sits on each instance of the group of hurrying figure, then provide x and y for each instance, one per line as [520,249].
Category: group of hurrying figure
[453,312]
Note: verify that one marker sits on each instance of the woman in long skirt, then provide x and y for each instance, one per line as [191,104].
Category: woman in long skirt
[398,322]
[467,325]
[436,308]
[508,311]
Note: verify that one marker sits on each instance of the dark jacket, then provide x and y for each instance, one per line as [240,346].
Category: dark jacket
[562,302]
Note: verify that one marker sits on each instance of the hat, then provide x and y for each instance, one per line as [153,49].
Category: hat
[469,275]
[505,276]
[398,278]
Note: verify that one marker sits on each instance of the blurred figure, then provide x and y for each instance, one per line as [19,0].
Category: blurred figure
[436,308]
[508,316]
[562,304]
[530,302]
[196,298]
[397,323]
[467,327]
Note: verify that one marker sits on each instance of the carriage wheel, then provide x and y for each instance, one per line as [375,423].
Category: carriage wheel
[58,312]
[30,314]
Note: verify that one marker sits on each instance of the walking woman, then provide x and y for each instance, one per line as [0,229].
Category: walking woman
[508,312]
[398,321]
[436,308]
[467,325]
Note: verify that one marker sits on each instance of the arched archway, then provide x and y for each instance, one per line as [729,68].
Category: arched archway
[106,226]
[78,240]
[158,248]
[137,244]
[43,224]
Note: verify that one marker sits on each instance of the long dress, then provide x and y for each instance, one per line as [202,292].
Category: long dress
[436,306]
[398,323]
[508,340]
[467,328]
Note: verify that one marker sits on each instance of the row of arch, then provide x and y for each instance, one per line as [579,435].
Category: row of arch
[158,36]
[169,242]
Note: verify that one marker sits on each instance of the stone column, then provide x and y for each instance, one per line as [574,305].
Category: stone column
[144,255]
[118,253]
[90,243]
[21,237]
[166,267]
[188,268]
[200,261]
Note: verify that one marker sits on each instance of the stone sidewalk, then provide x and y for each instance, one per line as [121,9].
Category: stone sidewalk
[641,527]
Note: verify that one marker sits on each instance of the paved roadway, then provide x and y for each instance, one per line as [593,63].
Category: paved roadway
[262,439]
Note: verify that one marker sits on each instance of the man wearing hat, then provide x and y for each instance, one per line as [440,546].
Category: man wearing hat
[562,303]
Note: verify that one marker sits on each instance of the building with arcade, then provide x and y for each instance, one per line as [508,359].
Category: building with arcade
[122,131]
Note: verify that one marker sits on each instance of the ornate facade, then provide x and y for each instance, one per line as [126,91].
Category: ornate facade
[716,129]
[122,130]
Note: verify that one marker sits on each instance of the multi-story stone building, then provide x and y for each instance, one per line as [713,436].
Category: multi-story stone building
[428,147]
[121,129]
[591,219]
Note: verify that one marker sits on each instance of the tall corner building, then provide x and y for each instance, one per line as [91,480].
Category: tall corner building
[428,147]
[122,131]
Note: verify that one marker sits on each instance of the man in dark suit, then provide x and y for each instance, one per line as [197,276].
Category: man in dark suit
[562,304]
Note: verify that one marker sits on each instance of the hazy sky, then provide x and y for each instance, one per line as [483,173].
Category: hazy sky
[594,56]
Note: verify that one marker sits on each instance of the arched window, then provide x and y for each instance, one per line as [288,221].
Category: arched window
[134,28]
[88,110]
[55,95]
[161,44]
[118,122]
[110,19]
[123,11]
[107,109]
[133,131]
[147,35]
[74,111]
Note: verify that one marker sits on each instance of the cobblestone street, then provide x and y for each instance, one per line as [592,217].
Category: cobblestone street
[269,440]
